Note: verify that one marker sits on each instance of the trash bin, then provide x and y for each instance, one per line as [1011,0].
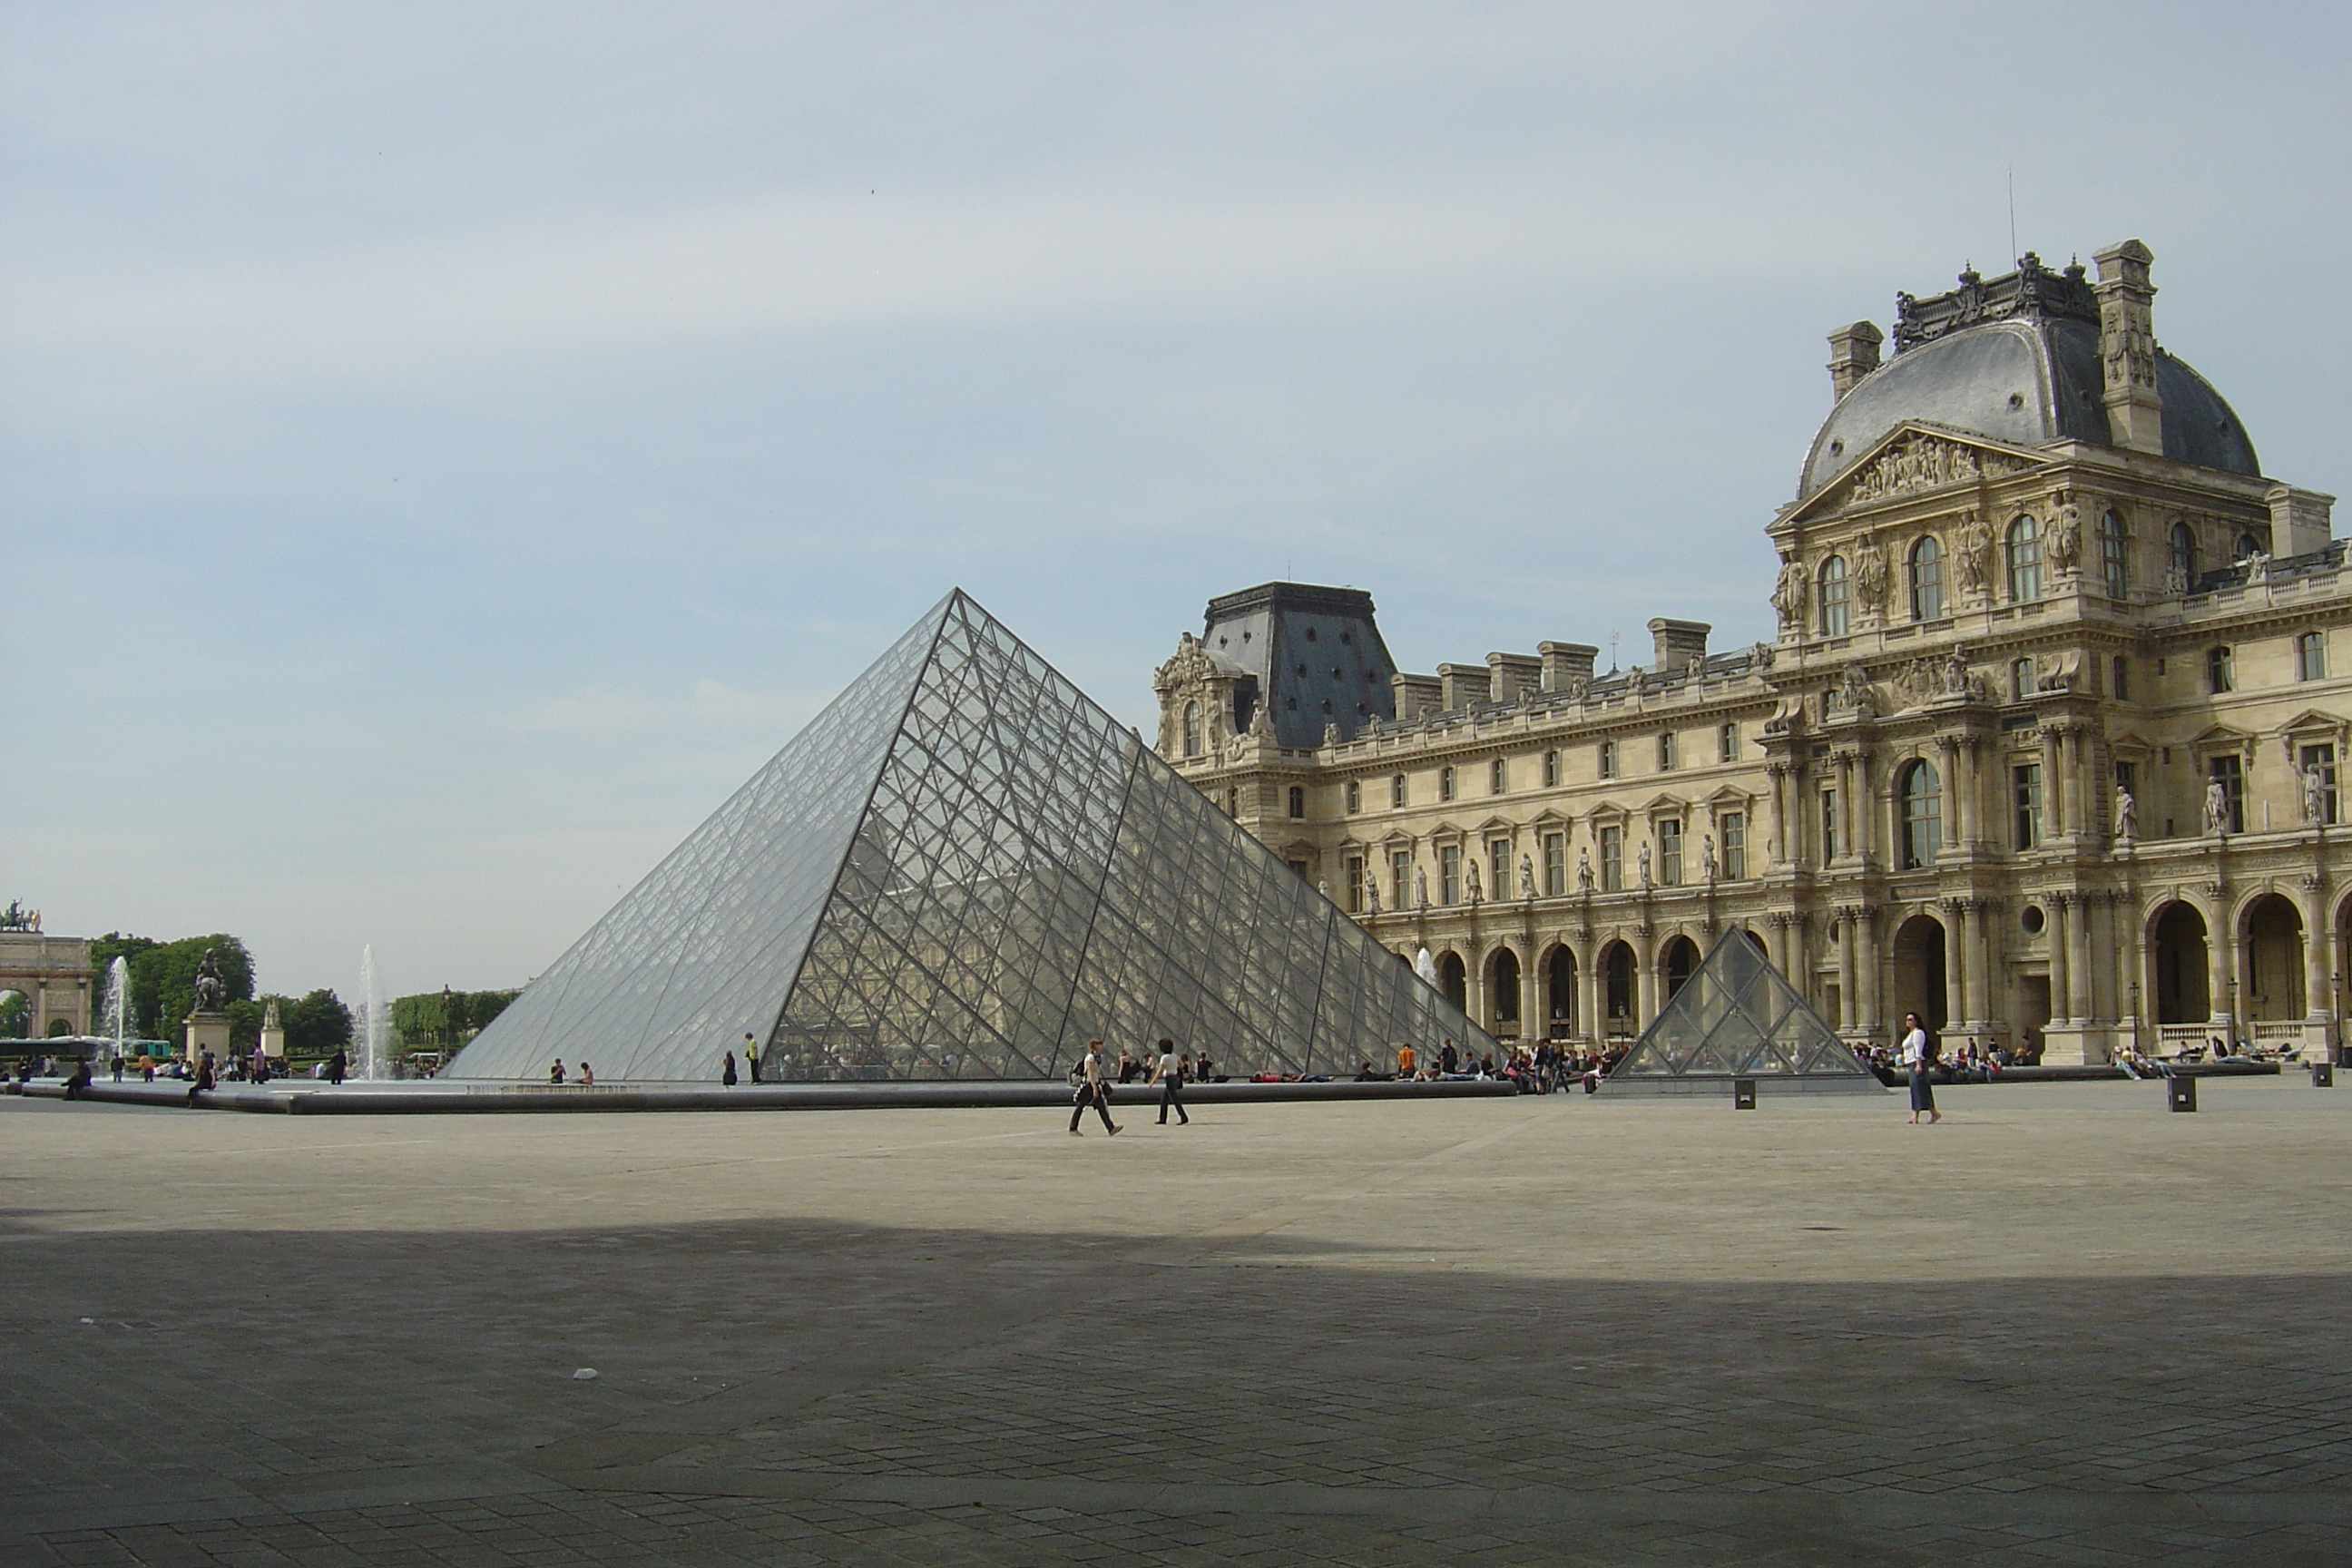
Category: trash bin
[2323,1075]
[1743,1094]
[2180,1094]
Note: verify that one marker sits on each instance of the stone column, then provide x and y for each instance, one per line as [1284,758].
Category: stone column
[2061,972]
[1844,918]
[2054,816]
[1867,1016]
[1780,852]
[1535,1020]
[1847,845]
[2318,997]
[1646,984]
[2220,969]
[1955,964]
[2081,1006]
[1968,792]
[1593,1021]
[1948,762]
[1984,961]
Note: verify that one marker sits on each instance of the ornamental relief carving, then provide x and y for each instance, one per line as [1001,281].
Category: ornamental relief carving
[1919,462]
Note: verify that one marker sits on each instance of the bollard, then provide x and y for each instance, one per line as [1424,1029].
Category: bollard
[1743,1094]
[2180,1094]
[2323,1075]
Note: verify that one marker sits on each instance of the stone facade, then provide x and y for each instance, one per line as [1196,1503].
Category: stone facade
[52,972]
[2046,748]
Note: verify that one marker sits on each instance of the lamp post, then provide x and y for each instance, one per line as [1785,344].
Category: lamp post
[2135,1018]
[2229,1046]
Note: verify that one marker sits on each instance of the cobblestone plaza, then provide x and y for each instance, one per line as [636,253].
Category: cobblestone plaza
[2064,1326]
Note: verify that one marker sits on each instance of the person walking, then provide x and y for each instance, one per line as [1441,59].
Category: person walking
[118,1067]
[1919,1060]
[727,1073]
[1170,1075]
[752,1055]
[338,1064]
[1090,1090]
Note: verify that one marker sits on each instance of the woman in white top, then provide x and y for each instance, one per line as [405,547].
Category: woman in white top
[1919,1058]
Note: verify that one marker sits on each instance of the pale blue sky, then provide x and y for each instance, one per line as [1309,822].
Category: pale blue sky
[447,448]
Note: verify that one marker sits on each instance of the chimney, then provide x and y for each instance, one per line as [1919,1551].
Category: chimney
[1680,644]
[1461,685]
[1417,696]
[1566,666]
[2300,522]
[2128,347]
[1508,674]
[1853,354]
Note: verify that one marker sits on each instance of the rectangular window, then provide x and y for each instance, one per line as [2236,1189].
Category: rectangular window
[1608,759]
[1396,792]
[1355,797]
[1555,848]
[2229,773]
[1449,873]
[1613,859]
[1498,777]
[1298,801]
[1666,753]
[1551,769]
[2311,656]
[1400,878]
[2122,679]
[2127,779]
[1735,844]
[1445,783]
[2319,760]
[1353,900]
[1726,743]
[1829,826]
[1300,867]
[2220,670]
[1670,852]
[2025,789]
[1498,869]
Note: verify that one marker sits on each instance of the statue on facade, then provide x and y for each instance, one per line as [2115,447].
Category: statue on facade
[1477,890]
[1527,878]
[1972,554]
[1706,856]
[210,992]
[1331,735]
[1643,860]
[2315,797]
[1789,592]
[2126,816]
[2066,539]
[2216,809]
[1420,887]
[1853,690]
[1323,885]
[1870,575]
[1371,892]
[1583,870]
[1956,674]
[1262,725]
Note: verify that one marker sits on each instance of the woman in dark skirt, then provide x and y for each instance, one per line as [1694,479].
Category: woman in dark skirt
[1919,1060]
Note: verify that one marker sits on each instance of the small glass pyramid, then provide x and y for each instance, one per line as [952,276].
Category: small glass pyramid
[1737,1017]
[964,868]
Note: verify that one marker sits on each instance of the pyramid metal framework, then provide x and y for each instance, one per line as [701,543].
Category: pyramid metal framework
[1738,1018]
[963,868]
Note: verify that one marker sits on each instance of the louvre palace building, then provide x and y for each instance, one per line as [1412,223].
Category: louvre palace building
[2046,748]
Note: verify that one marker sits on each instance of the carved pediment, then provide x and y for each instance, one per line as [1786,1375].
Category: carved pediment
[1915,461]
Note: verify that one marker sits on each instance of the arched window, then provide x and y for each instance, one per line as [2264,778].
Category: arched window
[1923,815]
[2024,550]
[2248,545]
[2183,540]
[1191,728]
[1928,580]
[1836,600]
[2115,567]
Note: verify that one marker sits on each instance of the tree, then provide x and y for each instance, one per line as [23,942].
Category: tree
[315,1024]
[164,979]
[15,1014]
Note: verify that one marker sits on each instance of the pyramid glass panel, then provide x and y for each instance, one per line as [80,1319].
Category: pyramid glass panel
[965,868]
[1738,1017]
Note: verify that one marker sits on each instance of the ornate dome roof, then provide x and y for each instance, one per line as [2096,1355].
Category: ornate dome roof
[2016,358]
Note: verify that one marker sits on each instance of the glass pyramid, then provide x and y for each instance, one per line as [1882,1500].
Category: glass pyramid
[1736,1017]
[964,868]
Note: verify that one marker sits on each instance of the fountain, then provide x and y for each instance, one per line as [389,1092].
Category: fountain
[114,1012]
[374,1061]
